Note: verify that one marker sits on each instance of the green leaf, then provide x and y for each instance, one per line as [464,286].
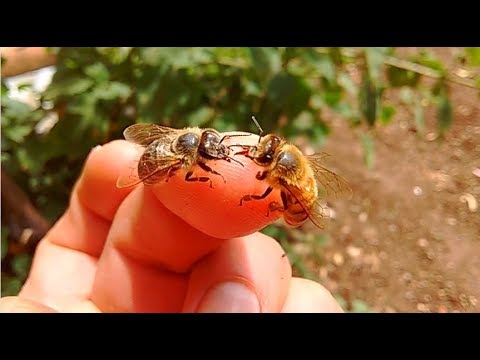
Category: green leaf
[426,59]
[345,81]
[335,54]
[321,240]
[18,133]
[444,113]
[112,90]
[360,306]
[69,86]
[368,100]
[10,286]
[419,117]
[155,56]
[200,116]
[176,57]
[288,93]
[4,241]
[406,96]
[21,265]
[316,101]
[15,109]
[98,72]
[303,121]
[116,55]
[368,150]
[319,132]
[251,87]
[341,301]
[233,57]
[375,58]
[322,63]
[473,56]
[27,162]
[400,77]
[332,96]
[276,232]
[4,92]
[266,62]
[24,86]
[387,114]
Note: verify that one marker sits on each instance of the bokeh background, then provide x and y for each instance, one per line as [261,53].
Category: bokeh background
[402,126]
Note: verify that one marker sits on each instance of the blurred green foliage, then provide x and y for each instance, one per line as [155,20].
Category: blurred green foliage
[97,92]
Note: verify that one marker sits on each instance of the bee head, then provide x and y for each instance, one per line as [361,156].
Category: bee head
[264,152]
[210,146]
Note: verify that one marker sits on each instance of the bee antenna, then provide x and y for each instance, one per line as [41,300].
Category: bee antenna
[258,127]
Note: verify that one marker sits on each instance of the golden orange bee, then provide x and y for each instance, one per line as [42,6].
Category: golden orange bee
[301,178]
[167,150]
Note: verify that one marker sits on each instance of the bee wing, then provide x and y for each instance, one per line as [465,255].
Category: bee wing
[151,161]
[145,134]
[316,213]
[133,179]
[327,181]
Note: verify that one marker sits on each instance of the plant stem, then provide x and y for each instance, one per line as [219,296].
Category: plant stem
[426,71]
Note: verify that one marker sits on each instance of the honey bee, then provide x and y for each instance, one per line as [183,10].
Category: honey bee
[168,150]
[300,178]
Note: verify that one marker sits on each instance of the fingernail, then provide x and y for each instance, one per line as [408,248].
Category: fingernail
[229,297]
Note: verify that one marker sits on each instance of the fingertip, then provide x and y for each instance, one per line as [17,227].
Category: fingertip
[307,296]
[218,210]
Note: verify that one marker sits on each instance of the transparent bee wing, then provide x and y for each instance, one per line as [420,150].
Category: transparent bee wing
[145,134]
[133,179]
[151,167]
[328,182]
[316,212]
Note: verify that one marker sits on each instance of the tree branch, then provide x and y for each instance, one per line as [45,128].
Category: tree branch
[20,60]
[426,71]
[26,225]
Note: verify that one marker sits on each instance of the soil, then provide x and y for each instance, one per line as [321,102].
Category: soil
[406,241]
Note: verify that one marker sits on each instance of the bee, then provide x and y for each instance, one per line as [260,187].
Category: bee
[168,150]
[301,179]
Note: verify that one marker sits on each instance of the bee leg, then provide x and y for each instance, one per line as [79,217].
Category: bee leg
[189,177]
[256,197]
[209,169]
[262,175]
[170,173]
[274,206]
[284,200]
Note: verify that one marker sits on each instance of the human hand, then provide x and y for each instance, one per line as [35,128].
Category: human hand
[173,247]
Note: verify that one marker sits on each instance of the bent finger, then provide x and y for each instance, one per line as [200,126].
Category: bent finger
[94,200]
[248,274]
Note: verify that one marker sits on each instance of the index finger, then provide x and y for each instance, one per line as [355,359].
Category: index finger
[216,211]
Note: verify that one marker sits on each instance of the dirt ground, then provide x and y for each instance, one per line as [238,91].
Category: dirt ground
[407,242]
